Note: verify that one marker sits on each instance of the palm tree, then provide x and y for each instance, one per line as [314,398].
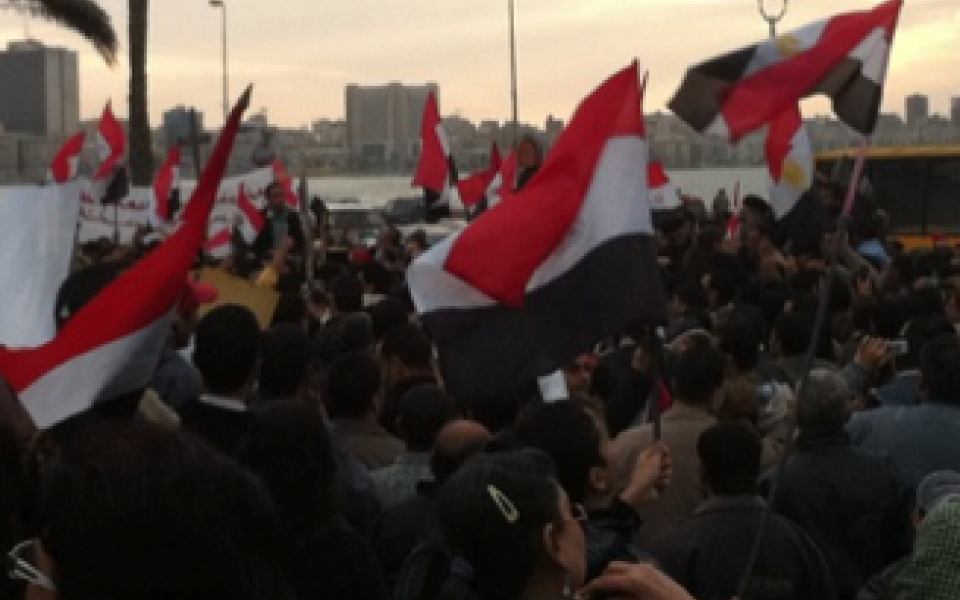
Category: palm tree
[141,148]
[85,17]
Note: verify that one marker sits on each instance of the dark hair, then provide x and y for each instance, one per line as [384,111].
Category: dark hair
[80,287]
[347,293]
[288,447]
[699,373]
[940,367]
[226,348]
[387,314]
[449,452]
[692,294]
[409,344]
[286,355]
[353,382]
[793,331]
[139,511]
[424,410]
[730,456]
[920,331]
[739,341]
[493,555]
[569,435]
[290,309]
[498,411]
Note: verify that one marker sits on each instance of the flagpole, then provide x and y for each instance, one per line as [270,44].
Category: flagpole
[513,75]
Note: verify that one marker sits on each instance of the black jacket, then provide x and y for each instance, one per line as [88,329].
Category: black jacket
[707,554]
[264,244]
[853,504]
[609,537]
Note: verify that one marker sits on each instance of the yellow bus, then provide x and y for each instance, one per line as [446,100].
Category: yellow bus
[917,186]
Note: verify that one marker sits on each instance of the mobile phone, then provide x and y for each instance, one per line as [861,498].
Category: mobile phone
[898,347]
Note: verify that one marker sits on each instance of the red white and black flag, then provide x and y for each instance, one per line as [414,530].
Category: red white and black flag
[436,172]
[111,183]
[570,260]
[664,195]
[66,163]
[789,161]
[251,219]
[844,57]
[477,192]
[166,188]
[112,345]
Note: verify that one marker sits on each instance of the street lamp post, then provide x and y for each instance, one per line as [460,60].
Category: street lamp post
[513,74]
[772,18]
[223,34]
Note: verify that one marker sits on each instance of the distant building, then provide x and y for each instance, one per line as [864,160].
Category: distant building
[42,91]
[383,124]
[176,124]
[917,109]
[955,111]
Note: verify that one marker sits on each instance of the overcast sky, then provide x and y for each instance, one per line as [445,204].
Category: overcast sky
[301,53]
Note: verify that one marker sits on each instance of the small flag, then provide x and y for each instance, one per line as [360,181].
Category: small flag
[111,144]
[436,172]
[66,163]
[112,345]
[789,161]
[514,296]
[281,176]
[166,187]
[844,57]
[251,219]
[663,194]
[482,185]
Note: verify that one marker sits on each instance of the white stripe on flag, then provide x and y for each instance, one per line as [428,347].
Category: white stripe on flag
[771,52]
[872,53]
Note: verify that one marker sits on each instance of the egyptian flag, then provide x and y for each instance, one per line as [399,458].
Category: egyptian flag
[112,345]
[281,176]
[66,163]
[844,57]
[508,175]
[537,281]
[789,161]
[251,219]
[436,171]
[477,190]
[166,187]
[663,194]
[220,244]
[111,182]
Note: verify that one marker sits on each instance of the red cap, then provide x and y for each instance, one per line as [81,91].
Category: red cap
[197,294]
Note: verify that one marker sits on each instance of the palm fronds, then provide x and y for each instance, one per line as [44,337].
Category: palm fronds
[85,17]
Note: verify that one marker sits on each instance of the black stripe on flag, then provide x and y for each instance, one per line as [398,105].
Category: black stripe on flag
[856,99]
[698,101]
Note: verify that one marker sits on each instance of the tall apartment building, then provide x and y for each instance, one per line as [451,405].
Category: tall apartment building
[917,109]
[383,123]
[42,91]
[955,111]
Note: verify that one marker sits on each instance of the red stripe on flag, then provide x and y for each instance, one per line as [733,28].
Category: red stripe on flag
[780,140]
[111,142]
[656,176]
[249,211]
[433,165]
[219,239]
[281,176]
[164,183]
[530,228]
[63,167]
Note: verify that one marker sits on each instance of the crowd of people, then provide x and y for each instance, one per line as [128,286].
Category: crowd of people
[322,457]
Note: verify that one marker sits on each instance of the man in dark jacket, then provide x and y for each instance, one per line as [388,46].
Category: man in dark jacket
[708,553]
[279,222]
[854,505]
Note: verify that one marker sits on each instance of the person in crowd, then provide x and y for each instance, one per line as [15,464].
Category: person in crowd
[697,385]
[708,553]
[933,570]
[852,504]
[280,221]
[288,447]
[424,410]
[904,389]
[577,373]
[407,361]
[410,522]
[352,401]
[227,353]
[935,488]
[137,511]
[579,445]
[416,244]
[529,159]
[920,439]
[282,375]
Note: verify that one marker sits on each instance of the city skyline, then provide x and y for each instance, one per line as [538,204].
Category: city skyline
[301,58]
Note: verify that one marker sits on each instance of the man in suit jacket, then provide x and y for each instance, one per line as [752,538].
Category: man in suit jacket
[279,221]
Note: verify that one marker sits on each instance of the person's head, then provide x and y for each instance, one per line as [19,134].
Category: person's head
[688,296]
[276,196]
[571,437]
[791,334]
[80,287]
[699,375]
[455,442]
[729,455]
[577,373]
[498,411]
[347,293]
[139,511]
[416,244]
[741,344]
[353,387]
[940,369]
[387,314]
[227,349]
[405,350]
[755,211]
[529,153]
[288,447]
[286,356]
[825,403]
[424,410]
[920,331]
[507,524]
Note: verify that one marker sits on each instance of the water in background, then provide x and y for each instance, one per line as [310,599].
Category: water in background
[376,191]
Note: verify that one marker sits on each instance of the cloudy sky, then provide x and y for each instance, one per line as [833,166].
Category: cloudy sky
[301,53]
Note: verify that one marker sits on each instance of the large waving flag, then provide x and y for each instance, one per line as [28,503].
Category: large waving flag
[111,143]
[166,187]
[664,195]
[112,345]
[844,57]
[569,260]
[436,172]
[66,163]
[789,161]
[482,185]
